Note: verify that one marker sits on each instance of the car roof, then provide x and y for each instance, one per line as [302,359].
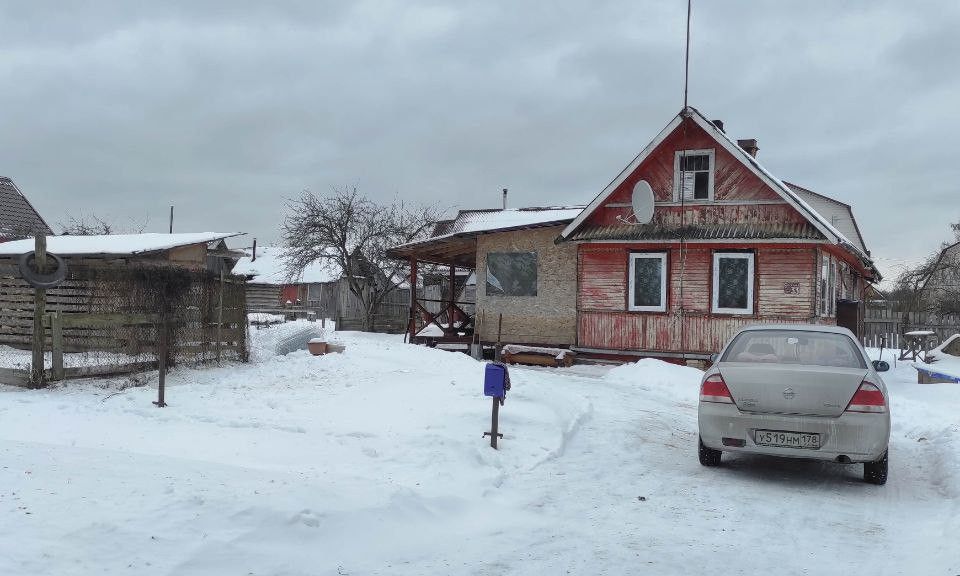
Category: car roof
[799,327]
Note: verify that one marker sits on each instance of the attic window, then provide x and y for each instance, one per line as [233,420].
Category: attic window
[693,175]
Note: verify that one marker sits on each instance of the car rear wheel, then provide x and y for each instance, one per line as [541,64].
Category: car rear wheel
[876,472]
[708,456]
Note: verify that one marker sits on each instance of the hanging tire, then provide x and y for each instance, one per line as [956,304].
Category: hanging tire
[876,472]
[708,456]
[26,264]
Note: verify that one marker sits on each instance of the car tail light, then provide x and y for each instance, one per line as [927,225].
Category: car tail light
[868,398]
[714,389]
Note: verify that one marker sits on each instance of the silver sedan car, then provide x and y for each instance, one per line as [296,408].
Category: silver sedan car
[800,391]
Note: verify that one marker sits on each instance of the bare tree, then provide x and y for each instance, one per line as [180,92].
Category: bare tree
[93,225]
[934,284]
[350,233]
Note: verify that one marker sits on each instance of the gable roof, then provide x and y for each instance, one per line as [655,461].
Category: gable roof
[18,218]
[114,244]
[836,212]
[270,268]
[817,220]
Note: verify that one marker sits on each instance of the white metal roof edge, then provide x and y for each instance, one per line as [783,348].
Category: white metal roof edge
[213,237]
[472,233]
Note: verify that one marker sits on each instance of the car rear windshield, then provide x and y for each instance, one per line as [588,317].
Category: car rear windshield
[795,347]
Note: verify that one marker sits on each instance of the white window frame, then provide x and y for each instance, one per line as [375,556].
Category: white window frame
[634,256]
[828,286]
[751,279]
[711,153]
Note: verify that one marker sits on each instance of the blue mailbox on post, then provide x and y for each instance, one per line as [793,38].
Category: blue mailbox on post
[494,380]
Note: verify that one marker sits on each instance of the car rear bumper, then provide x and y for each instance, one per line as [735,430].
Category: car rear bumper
[857,437]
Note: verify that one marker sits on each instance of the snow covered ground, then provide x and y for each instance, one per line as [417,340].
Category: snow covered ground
[372,462]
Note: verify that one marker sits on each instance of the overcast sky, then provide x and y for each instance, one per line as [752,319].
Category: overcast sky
[225,109]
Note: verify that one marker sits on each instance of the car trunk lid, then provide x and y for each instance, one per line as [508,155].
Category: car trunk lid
[792,389]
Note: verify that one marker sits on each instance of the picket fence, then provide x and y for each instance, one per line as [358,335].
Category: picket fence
[885,322]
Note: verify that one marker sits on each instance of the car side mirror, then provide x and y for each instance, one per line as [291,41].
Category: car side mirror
[714,358]
[880,366]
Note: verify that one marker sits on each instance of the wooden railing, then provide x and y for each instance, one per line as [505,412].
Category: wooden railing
[452,319]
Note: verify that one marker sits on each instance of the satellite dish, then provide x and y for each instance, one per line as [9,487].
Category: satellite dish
[642,202]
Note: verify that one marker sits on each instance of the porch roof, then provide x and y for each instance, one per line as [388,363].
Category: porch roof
[455,241]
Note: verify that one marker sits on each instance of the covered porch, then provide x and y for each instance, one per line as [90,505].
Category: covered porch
[438,318]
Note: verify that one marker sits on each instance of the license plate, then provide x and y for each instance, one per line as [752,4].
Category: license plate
[783,439]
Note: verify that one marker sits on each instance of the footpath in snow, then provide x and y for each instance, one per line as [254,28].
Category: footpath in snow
[372,462]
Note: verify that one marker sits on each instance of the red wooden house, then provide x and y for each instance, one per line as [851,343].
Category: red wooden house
[728,245]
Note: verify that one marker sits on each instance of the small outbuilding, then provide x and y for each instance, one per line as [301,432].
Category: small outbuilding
[319,291]
[123,297]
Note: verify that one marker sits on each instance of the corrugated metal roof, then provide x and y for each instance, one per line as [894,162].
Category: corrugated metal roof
[840,215]
[18,218]
[771,231]
[477,221]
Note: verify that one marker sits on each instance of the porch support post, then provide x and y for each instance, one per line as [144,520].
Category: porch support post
[453,296]
[411,320]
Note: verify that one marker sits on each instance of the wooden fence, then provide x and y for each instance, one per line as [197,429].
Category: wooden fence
[886,322]
[111,315]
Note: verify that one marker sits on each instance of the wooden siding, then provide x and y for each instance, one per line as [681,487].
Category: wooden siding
[704,215]
[263,297]
[732,181]
[391,316]
[784,292]
[110,306]
[666,332]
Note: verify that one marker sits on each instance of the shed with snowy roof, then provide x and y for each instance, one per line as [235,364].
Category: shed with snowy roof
[318,290]
[120,291]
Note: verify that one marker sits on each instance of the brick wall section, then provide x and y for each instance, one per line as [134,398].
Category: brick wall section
[550,317]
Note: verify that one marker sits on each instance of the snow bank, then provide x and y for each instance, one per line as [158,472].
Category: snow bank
[17,358]
[655,372]
[373,462]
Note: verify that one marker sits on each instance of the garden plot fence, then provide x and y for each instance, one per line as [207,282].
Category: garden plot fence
[114,317]
[891,324]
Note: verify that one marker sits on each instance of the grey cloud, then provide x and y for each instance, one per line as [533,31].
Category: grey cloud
[227,108]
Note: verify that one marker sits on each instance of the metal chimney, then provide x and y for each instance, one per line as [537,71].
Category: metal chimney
[253,255]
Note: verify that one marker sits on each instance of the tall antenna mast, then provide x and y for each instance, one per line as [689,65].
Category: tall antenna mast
[686,64]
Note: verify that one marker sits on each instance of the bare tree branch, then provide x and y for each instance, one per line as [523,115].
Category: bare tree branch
[348,232]
[93,225]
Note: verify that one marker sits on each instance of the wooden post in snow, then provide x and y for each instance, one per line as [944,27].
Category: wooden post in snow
[453,297]
[37,377]
[220,317]
[411,321]
[162,357]
[56,341]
